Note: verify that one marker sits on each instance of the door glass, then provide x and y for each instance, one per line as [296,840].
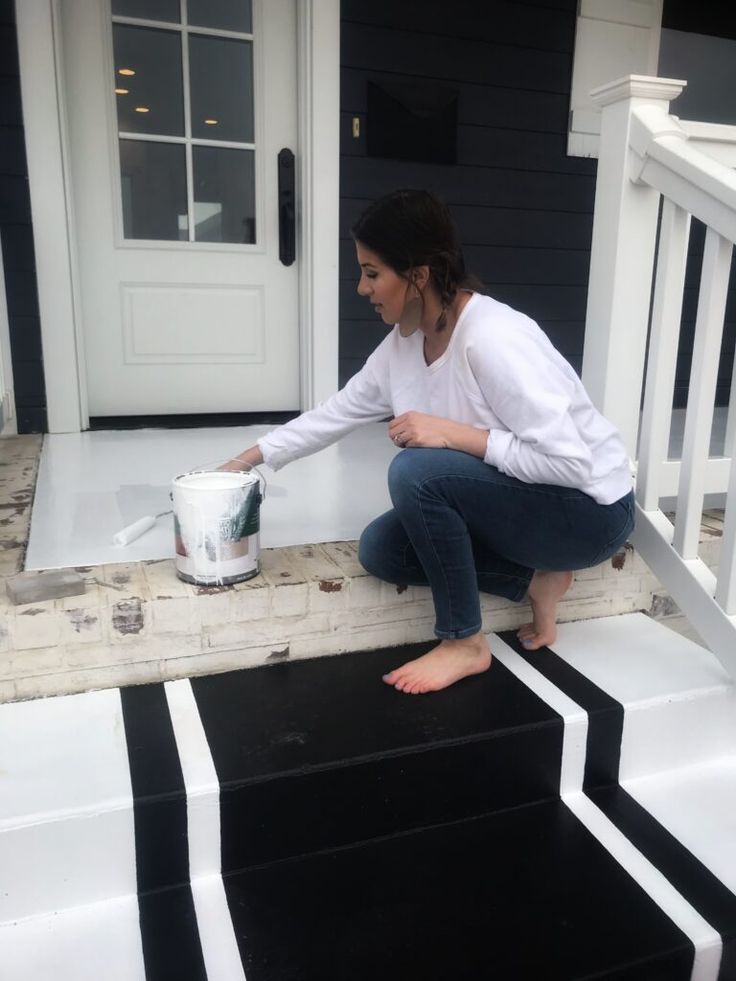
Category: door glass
[154,180]
[221,85]
[177,183]
[224,198]
[167,10]
[225,15]
[148,80]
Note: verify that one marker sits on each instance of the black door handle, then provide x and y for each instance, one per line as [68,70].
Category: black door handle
[287,207]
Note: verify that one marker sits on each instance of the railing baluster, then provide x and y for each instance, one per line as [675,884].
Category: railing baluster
[726,588]
[702,390]
[660,381]
[730,442]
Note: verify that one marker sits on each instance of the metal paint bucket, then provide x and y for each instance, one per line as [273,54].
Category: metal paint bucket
[217,525]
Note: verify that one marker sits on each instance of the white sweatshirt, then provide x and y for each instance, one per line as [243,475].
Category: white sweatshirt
[501,373]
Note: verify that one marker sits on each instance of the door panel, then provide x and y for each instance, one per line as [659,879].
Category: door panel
[175,129]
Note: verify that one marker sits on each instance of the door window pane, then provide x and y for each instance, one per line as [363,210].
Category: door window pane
[225,15]
[168,10]
[221,81]
[154,190]
[224,195]
[148,81]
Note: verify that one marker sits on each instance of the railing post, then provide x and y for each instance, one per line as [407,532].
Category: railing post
[622,257]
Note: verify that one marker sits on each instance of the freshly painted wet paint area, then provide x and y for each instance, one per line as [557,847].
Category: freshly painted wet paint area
[90,485]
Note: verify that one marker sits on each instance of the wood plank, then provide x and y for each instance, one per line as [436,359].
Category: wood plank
[456,59]
[501,226]
[478,104]
[503,22]
[473,186]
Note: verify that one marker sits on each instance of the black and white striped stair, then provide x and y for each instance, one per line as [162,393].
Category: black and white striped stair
[568,815]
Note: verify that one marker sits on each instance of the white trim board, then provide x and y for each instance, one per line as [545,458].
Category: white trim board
[42,88]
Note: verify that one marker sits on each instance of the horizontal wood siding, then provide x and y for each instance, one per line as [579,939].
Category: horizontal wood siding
[524,208]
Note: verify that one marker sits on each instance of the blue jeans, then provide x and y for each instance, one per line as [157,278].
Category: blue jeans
[459,526]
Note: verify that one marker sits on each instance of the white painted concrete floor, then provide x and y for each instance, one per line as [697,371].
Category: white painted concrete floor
[92,484]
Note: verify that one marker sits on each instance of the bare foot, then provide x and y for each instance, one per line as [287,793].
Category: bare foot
[442,666]
[545,591]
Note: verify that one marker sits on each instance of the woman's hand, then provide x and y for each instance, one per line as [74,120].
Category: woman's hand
[250,457]
[421,429]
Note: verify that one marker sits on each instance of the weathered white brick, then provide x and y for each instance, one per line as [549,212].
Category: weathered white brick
[313,563]
[289,599]
[393,595]
[213,605]
[327,595]
[83,626]
[359,619]
[91,599]
[11,561]
[40,660]
[35,626]
[163,581]
[278,567]
[345,555]
[129,622]
[120,581]
[178,614]
[215,662]
[490,603]
[595,572]
[585,608]
[365,592]
[250,604]
[8,691]
[278,632]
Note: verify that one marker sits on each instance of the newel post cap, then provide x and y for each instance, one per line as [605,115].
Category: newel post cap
[637,87]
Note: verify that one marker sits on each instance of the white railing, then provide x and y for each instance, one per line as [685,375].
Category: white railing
[647,159]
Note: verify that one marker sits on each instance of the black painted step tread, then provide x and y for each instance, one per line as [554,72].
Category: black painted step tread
[526,894]
[306,715]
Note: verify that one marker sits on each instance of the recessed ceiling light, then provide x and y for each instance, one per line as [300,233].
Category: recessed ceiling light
[126,71]
[211,122]
[121,91]
[142,109]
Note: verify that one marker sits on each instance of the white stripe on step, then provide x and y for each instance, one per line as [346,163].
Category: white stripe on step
[219,946]
[706,940]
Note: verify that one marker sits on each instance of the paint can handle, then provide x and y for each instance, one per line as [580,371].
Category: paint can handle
[246,468]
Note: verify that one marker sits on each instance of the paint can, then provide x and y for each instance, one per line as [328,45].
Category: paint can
[217,525]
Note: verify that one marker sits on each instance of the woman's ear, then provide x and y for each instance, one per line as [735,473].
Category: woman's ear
[420,276]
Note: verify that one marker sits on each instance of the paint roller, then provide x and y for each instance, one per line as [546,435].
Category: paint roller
[129,534]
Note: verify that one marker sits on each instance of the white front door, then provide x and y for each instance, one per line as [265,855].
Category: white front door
[177,112]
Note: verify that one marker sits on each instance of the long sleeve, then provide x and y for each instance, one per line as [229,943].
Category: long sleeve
[363,399]
[537,397]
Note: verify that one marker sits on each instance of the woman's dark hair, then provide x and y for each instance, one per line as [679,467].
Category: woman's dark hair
[415,228]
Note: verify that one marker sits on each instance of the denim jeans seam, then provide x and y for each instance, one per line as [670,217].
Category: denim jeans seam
[526,488]
[419,487]
[609,543]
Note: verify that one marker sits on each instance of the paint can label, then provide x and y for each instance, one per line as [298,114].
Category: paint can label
[216,526]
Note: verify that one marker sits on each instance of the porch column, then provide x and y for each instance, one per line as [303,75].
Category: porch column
[622,257]
[43,113]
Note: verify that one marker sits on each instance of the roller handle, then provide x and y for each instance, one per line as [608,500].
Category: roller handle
[129,534]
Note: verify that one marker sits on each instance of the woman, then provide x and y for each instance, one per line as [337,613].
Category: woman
[508,478]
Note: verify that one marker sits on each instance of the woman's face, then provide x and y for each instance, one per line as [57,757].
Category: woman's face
[386,290]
